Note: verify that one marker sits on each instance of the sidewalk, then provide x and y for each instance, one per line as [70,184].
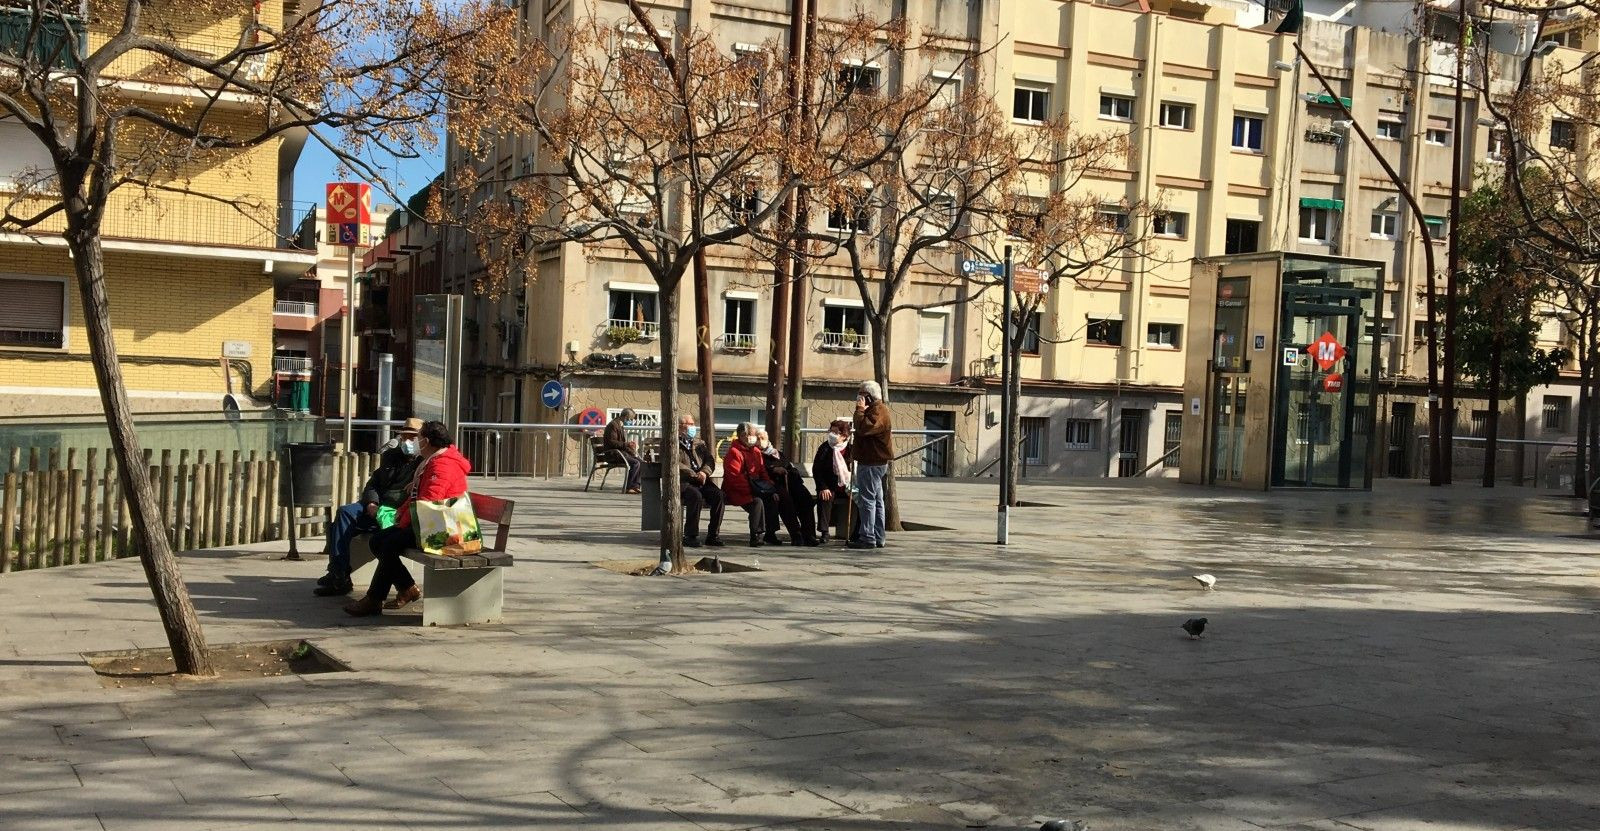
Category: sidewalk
[1404,659]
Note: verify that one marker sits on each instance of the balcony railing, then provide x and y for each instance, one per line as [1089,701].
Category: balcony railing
[189,220]
[733,342]
[52,42]
[285,363]
[843,342]
[294,307]
[628,331]
[931,357]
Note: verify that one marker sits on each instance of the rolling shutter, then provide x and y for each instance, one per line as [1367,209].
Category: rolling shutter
[32,313]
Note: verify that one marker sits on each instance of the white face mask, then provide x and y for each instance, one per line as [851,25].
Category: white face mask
[750,440]
[408,447]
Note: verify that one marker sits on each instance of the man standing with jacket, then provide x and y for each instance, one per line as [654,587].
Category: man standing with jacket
[872,449]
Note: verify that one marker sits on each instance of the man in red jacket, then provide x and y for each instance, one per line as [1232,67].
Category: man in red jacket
[441,475]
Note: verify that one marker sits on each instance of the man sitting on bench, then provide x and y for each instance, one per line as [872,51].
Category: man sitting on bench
[385,489]
[441,475]
[616,440]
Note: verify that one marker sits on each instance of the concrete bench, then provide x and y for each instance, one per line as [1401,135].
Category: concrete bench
[455,590]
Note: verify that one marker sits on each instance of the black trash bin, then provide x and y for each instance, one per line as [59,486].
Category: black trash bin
[650,497]
[306,480]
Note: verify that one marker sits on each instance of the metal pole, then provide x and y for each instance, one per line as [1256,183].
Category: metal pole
[385,395]
[1003,530]
[349,344]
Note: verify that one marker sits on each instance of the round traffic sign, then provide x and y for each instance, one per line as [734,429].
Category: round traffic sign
[553,394]
[592,417]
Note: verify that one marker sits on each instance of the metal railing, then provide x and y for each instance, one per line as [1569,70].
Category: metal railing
[290,363]
[187,219]
[647,329]
[843,342]
[937,357]
[294,307]
[1539,464]
[732,342]
[50,43]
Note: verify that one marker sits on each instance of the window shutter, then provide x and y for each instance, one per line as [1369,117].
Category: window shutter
[31,305]
[930,332]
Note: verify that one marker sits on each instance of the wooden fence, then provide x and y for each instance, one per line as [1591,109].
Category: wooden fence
[67,508]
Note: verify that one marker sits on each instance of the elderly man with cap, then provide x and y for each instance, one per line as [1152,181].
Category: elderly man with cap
[380,497]
[616,440]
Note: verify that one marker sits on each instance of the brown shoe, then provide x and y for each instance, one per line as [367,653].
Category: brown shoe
[365,607]
[404,598]
[633,491]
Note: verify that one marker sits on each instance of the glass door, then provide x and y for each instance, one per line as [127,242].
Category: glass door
[1318,347]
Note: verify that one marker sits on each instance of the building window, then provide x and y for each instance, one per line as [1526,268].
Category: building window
[1104,331]
[947,89]
[1480,424]
[1113,219]
[1165,335]
[1023,218]
[1030,103]
[1172,437]
[1439,129]
[752,59]
[1563,135]
[1116,107]
[1384,224]
[1177,116]
[1170,224]
[844,328]
[34,313]
[1391,127]
[1081,433]
[1499,144]
[738,323]
[1247,133]
[932,346]
[1435,226]
[1034,433]
[743,205]
[1316,225]
[859,79]
[1419,331]
[632,309]
[1556,408]
[851,216]
[1241,236]
[1030,336]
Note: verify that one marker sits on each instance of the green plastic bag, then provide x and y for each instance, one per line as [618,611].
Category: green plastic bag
[386,516]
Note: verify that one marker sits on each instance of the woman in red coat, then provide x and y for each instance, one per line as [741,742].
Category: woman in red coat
[441,475]
[741,468]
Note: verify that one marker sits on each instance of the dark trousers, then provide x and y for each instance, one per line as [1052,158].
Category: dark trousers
[799,511]
[781,508]
[391,573]
[635,469]
[696,497]
[348,521]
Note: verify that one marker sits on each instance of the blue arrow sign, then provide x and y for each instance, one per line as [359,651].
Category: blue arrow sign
[553,394]
[975,266]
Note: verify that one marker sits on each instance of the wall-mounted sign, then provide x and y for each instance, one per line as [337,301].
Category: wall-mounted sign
[1291,355]
[236,349]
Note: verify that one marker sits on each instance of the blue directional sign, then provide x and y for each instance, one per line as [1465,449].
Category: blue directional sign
[553,394]
[976,266]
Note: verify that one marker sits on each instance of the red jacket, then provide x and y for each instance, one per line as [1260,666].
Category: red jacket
[441,476]
[742,462]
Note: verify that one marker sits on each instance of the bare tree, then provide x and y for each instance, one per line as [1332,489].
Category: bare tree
[129,115]
[655,145]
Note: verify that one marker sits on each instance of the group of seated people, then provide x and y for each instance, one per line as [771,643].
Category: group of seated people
[756,478]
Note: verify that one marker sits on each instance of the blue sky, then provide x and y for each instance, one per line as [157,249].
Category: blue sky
[317,168]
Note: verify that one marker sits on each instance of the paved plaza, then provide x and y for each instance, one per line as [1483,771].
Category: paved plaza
[1404,659]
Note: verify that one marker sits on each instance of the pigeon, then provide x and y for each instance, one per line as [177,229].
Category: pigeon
[1064,825]
[1194,626]
[1206,580]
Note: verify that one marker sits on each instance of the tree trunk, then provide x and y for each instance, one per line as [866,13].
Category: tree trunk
[1580,450]
[1592,426]
[671,497]
[1491,441]
[702,352]
[794,396]
[879,324]
[1519,456]
[178,617]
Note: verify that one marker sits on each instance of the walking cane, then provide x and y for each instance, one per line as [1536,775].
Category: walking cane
[850,504]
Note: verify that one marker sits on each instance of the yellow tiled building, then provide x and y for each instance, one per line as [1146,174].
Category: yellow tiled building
[189,278]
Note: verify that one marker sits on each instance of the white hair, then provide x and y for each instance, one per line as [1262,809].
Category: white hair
[872,390]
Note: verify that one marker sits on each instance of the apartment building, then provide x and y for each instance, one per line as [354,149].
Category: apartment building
[1230,133]
[308,313]
[190,279]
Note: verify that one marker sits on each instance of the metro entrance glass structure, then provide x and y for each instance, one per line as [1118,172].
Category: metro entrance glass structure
[1280,372]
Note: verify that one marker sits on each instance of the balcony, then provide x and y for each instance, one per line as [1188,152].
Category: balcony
[294,307]
[285,363]
[621,332]
[737,344]
[52,44]
[847,341]
[931,357]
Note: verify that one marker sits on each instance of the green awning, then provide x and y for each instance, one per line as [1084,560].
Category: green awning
[1433,220]
[1330,204]
[1324,98]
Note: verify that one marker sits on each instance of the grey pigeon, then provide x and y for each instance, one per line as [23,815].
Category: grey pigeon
[1065,825]
[1194,626]
[1206,580]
